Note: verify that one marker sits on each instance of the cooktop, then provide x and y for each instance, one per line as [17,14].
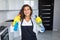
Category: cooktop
[2,28]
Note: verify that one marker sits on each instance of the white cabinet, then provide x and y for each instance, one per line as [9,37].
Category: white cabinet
[3,4]
[17,4]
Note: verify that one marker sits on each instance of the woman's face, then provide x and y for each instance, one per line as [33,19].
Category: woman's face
[27,11]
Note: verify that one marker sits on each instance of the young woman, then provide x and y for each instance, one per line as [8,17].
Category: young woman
[27,27]
[27,24]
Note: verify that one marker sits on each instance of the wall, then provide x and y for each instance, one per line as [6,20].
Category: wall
[3,16]
[56,21]
[3,10]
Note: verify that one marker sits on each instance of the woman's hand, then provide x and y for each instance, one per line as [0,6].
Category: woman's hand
[16,19]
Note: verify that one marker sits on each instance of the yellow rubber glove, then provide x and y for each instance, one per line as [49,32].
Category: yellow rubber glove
[16,19]
[38,20]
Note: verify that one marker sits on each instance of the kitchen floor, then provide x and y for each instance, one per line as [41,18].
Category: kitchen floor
[48,35]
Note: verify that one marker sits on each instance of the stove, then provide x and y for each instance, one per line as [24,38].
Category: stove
[2,28]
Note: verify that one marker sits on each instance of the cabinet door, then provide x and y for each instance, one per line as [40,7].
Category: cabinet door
[4,5]
[46,13]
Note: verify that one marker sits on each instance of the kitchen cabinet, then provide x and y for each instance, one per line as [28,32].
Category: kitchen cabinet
[17,4]
[4,5]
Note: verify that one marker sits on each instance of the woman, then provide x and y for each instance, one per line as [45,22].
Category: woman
[27,24]
[27,27]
